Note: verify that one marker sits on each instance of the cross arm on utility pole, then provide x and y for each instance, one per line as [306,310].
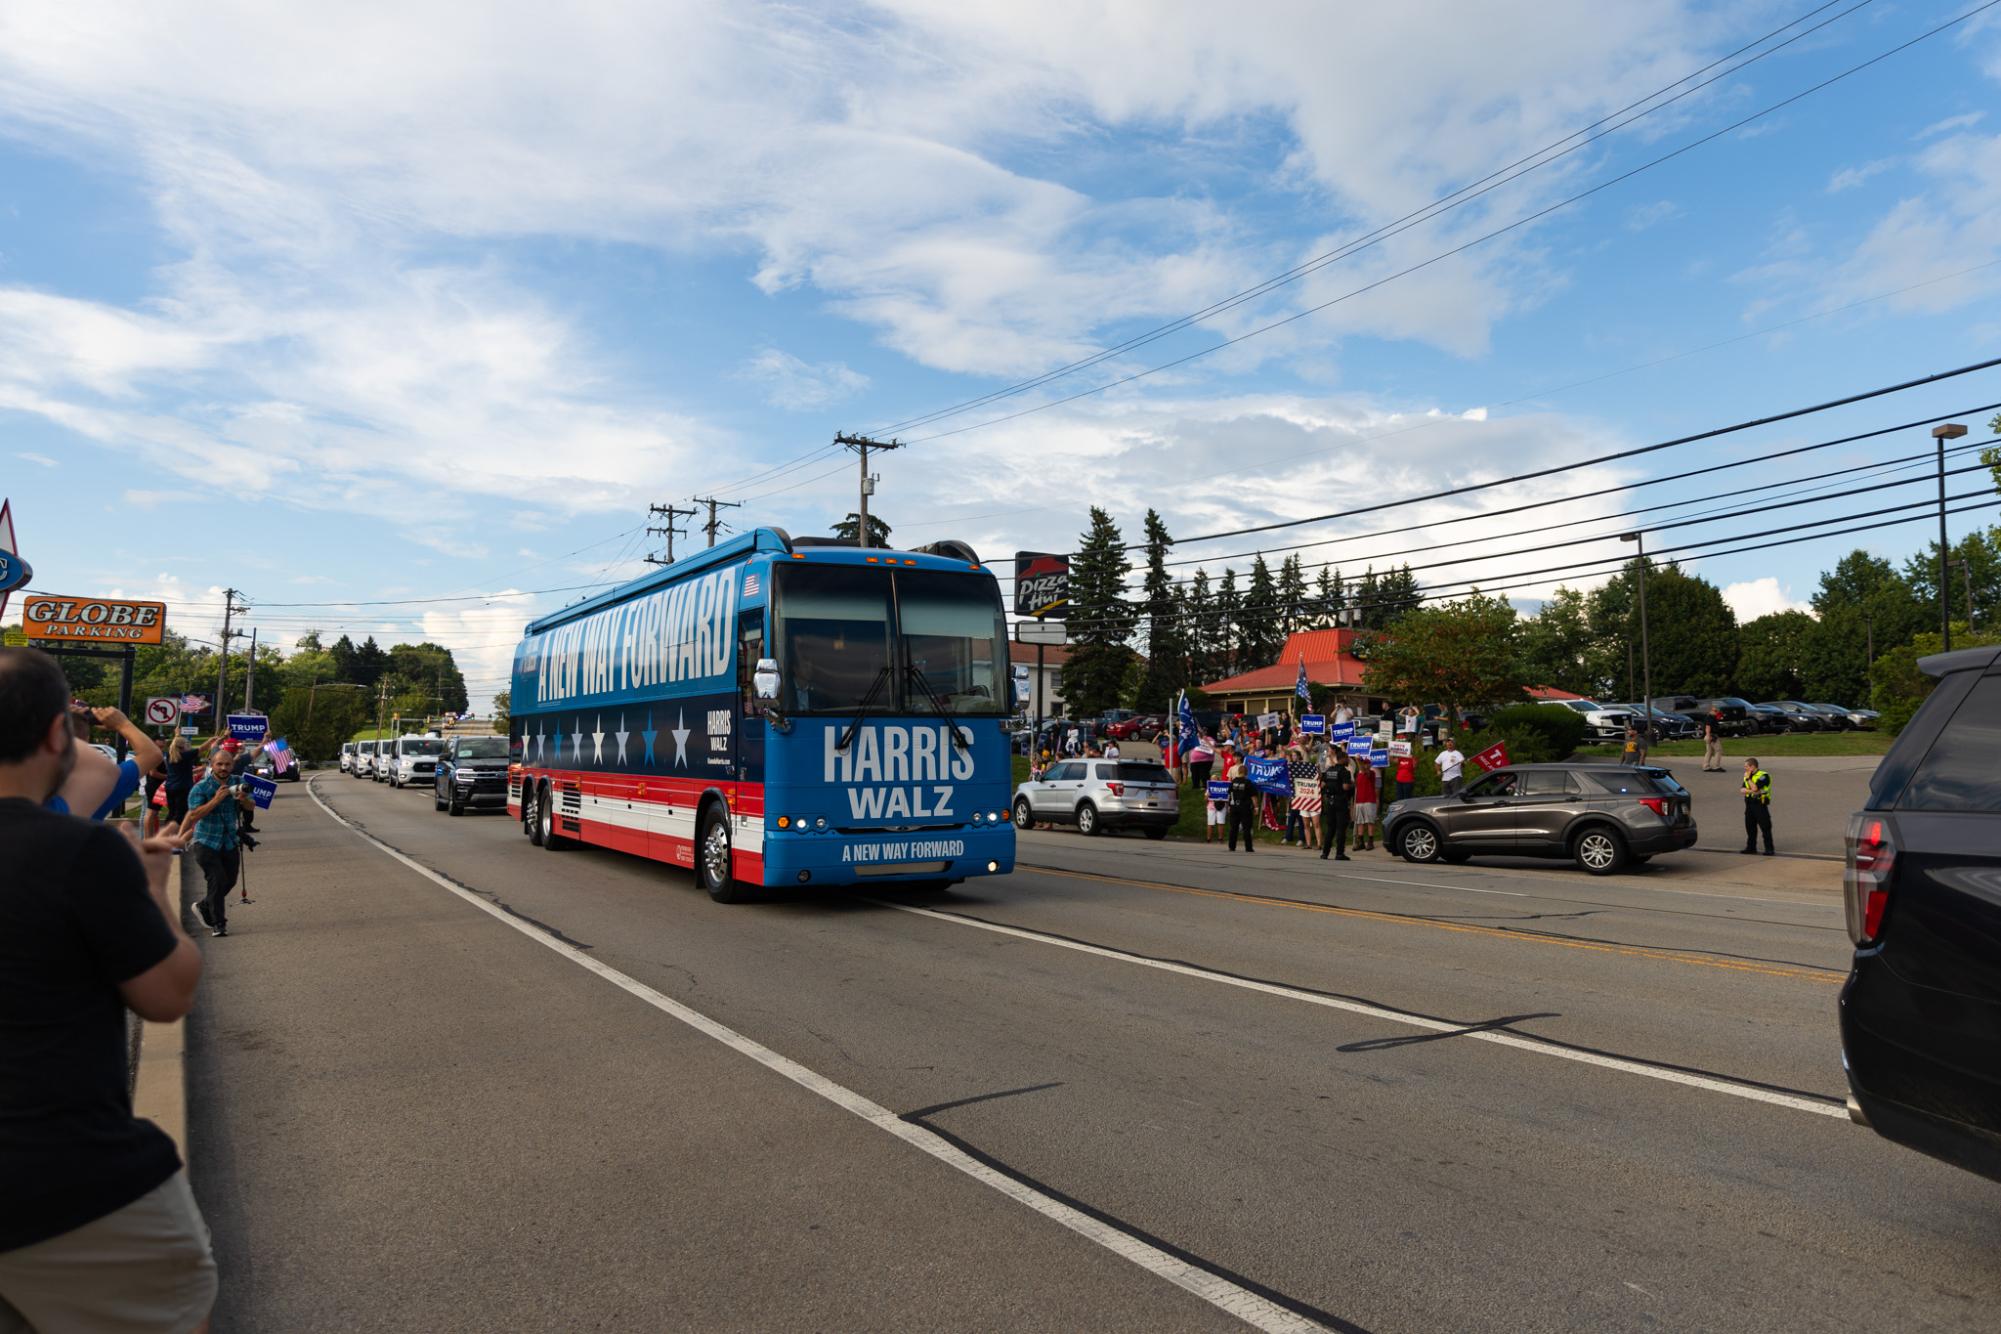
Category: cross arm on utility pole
[670,513]
[861,445]
[714,523]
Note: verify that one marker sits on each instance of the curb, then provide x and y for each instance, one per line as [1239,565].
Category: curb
[160,1087]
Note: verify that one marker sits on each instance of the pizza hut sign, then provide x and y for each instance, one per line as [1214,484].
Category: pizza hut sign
[1041,585]
[67,620]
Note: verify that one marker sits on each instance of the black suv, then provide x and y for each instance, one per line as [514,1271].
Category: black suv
[1921,1011]
[1606,816]
[1731,715]
[472,772]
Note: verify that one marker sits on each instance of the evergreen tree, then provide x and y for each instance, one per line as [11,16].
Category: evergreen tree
[1167,662]
[1229,615]
[1261,637]
[346,658]
[1328,597]
[1368,601]
[1292,594]
[369,662]
[1103,620]
[1398,592]
[1198,620]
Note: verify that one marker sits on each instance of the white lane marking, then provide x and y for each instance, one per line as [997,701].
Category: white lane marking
[1777,1099]
[1245,1305]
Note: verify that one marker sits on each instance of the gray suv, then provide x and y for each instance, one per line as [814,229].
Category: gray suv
[1606,816]
[1097,795]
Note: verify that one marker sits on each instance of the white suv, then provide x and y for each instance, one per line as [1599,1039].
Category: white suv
[415,760]
[1605,724]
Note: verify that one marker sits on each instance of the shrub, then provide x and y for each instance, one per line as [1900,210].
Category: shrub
[1537,733]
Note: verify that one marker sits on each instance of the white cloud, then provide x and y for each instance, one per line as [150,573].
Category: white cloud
[1753,598]
[1965,121]
[39,460]
[1848,178]
[797,385]
[482,641]
[1652,215]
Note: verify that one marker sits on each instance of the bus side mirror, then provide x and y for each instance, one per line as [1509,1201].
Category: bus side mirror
[764,680]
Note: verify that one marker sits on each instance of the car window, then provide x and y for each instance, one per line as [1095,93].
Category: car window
[1624,783]
[1547,783]
[1142,773]
[1958,772]
[1065,772]
[1501,784]
[1104,773]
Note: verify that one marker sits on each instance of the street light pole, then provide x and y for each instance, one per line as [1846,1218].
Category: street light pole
[1646,663]
[1943,433]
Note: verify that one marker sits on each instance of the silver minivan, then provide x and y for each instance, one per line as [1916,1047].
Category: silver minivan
[1099,795]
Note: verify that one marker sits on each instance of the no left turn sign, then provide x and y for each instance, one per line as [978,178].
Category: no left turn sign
[162,710]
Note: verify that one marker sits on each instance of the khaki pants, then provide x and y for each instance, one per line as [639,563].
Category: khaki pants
[143,1269]
[1712,754]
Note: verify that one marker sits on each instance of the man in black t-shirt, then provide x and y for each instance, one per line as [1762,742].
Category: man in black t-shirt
[98,1229]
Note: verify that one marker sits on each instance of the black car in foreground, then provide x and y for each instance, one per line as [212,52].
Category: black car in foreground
[471,774]
[1605,816]
[1921,1011]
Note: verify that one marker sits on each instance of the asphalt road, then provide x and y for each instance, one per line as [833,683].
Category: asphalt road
[1370,1096]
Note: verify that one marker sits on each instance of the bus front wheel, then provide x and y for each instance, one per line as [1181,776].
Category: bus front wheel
[714,865]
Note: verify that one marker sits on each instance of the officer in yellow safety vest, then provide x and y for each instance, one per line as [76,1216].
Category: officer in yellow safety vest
[1757,807]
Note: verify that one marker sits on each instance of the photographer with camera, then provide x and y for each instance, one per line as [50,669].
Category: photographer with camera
[213,808]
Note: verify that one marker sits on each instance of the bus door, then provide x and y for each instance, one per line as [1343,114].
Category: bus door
[749,758]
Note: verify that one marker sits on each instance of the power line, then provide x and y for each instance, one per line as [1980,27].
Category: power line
[714,524]
[1468,245]
[669,530]
[1464,195]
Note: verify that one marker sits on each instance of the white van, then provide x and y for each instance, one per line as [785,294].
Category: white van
[364,759]
[347,756]
[415,760]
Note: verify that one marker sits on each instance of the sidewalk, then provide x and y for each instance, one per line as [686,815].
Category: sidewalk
[406,1116]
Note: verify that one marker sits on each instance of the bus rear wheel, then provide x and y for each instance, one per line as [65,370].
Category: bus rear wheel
[546,836]
[714,862]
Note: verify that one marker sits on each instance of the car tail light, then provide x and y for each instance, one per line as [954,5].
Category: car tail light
[1872,859]
[1658,805]
[1116,789]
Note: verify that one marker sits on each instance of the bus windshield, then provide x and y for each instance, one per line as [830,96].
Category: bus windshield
[843,632]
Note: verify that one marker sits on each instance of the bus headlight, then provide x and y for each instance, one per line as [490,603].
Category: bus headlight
[799,821]
[820,823]
[994,816]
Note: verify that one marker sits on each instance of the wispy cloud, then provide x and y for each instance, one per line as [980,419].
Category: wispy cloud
[1965,121]
[40,460]
[1652,215]
[798,385]
[1850,177]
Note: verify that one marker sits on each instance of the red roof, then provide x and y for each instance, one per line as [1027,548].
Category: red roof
[1023,655]
[1327,664]
[1550,692]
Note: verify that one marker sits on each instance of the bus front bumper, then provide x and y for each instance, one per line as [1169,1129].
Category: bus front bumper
[891,857]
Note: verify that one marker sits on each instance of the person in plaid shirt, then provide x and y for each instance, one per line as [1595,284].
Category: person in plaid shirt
[211,827]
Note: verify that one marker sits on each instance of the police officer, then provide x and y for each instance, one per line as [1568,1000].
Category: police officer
[1243,807]
[1757,807]
[1337,791]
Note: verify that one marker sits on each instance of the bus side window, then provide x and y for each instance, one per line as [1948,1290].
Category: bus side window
[749,648]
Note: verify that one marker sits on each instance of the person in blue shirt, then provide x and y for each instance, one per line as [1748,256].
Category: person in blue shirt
[212,828]
[98,785]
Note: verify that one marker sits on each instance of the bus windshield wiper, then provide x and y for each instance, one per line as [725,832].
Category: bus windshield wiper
[924,684]
[861,710]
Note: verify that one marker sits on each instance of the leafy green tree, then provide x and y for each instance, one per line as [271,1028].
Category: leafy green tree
[503,708]
[1102,620]
[315,720]
[1898,687]
[1861,604]
[1460,654]
[1771,653]
[1557,645]
[429,673]
[1975,590]
[878,531]
[1167,662]
[1691,630]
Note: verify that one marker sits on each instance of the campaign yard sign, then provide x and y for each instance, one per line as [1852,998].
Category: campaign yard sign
[261,790]
[1313,724]
[1267,721]
[1360,746]
[1268,773]
[1340,731]
[1379,757]
[248,726]
[1219,790]
[1400,749]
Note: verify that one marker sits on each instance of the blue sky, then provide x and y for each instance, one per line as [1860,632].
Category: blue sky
[432,300]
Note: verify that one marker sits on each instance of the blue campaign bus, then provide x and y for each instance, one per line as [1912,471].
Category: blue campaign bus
[775,711]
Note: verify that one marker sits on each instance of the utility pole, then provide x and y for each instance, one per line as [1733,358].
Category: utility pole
[712,525]
[1941,434]
[250,675]
[861,444]
[382,705]
[229,610]
[671,513]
